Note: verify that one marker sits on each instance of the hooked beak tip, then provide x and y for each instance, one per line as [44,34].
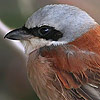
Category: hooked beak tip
[17,34]
[6,36]
[10,35]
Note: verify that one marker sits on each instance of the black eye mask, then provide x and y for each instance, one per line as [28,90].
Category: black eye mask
[45,32]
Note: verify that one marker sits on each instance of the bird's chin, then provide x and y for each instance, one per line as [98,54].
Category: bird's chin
[34,44]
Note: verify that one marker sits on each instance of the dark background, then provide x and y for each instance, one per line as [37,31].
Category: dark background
[14,84]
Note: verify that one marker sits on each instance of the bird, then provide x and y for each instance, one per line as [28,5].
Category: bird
[62,44]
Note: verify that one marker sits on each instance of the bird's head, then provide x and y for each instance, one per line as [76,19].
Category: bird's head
[52,25]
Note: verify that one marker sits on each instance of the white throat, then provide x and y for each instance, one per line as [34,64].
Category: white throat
[36,43]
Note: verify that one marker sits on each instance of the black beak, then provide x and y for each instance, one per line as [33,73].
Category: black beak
[18,34]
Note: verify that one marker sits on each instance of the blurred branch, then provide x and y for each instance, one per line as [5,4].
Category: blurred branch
[3,28]
[16,44]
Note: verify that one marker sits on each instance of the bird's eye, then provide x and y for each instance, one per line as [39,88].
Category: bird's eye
[43,31]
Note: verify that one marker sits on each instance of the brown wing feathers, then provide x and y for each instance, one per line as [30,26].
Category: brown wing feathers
[78,63]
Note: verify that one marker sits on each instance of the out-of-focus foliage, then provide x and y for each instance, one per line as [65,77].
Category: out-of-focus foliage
[14,84]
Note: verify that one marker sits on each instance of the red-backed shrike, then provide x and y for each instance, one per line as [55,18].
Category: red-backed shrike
[63,47]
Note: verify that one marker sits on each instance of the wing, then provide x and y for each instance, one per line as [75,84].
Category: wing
[82,72]
[77,65]
[78,70]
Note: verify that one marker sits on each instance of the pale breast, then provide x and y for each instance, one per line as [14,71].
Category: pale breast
[44,80]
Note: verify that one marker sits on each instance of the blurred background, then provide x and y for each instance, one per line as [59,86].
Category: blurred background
[14,84]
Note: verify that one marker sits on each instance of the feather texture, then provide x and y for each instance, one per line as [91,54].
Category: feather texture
[73,69]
